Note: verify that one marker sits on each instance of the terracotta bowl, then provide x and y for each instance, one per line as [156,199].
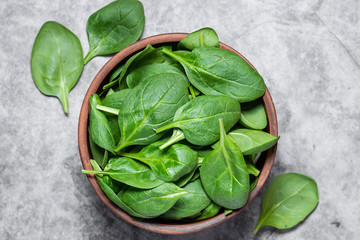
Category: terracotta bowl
[264,163]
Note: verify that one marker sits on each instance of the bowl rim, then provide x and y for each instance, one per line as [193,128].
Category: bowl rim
[171,228]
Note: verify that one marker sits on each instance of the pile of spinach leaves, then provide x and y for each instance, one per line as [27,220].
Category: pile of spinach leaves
[176,131]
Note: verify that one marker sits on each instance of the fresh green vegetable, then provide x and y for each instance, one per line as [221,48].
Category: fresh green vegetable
[56,61]
[152,202]
[202,37]
[211,210]
[169,164]
[216,71]
[116,99]
[253,115]
[253,182]
[130,172]
[150,105]
[198,119]
[114,27]
[99,154]
[190,204]
[251,141]
[100,130]
[224,174]
[287,201]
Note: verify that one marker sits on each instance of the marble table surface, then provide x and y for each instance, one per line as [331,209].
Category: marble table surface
[308,53]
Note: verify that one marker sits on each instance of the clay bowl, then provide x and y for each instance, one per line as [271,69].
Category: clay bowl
[264,163]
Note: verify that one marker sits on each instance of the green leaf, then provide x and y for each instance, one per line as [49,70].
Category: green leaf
[198,119]
[224,174]
[116,99]
[142,73]
[100,130]
[169,164]
[216,71]
[109,192]
[98,154]
[130,172]
[202,37]
[189,204]
[253,182]
[150,105]
[152,202]
[56,61]
[251,141]
[253,115]
[114,27]
[287,201]
[211,210]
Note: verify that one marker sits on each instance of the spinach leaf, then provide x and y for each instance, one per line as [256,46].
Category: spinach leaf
[251,141]
[287,201]
[115,74]
[109,192]
[211,210]
[169,164]
[99,154]
[198,119]
[216,71]
[114,126]
[253,182]
[152,202]
[114,185]
[100,130]
[56,61]
[130,172]
[150,105]
[253,115]
[182,181]
[202,37]
[224,174]
[189,204]
[116,99]
[114,27]
[141,73]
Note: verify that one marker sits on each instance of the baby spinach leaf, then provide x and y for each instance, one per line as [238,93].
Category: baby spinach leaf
[198,119]
[211,210]
[216,71]
[224,174]
[114,27]
[115,74]
[152,202]
[116,99]
[253,115]
[189,204]
[169,164]
[253,182]
[114,126]
[202,37]
[287,201]
[142,73]
[150,105]
[130,172]
[251,141]
[185,179]
[100,130]
[98,154]
[56,61]
[114,185]
[109,192]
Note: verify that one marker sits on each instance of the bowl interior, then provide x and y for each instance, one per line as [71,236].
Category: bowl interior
[264,163]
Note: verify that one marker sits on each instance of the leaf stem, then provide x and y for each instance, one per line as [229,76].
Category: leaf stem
[110,84]
[92,172]
[108,109]
[88,57]
[172,140]
[193,95]
[222,131]
[166,127]
[65,102]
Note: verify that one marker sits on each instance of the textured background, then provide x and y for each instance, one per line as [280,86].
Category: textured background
[308,53]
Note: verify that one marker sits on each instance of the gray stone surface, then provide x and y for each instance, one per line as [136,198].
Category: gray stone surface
[308,53]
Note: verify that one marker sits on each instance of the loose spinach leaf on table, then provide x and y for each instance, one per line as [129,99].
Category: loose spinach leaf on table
[202,37]
[251,141]
[114,27]
[189,204]
[224,174]
[56,61]
[211,210]
[150,105]
[100,130]
[130,172]
[253,115]
[169,164]
[198,119]
[216,71]
[152,202]
[287,201]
